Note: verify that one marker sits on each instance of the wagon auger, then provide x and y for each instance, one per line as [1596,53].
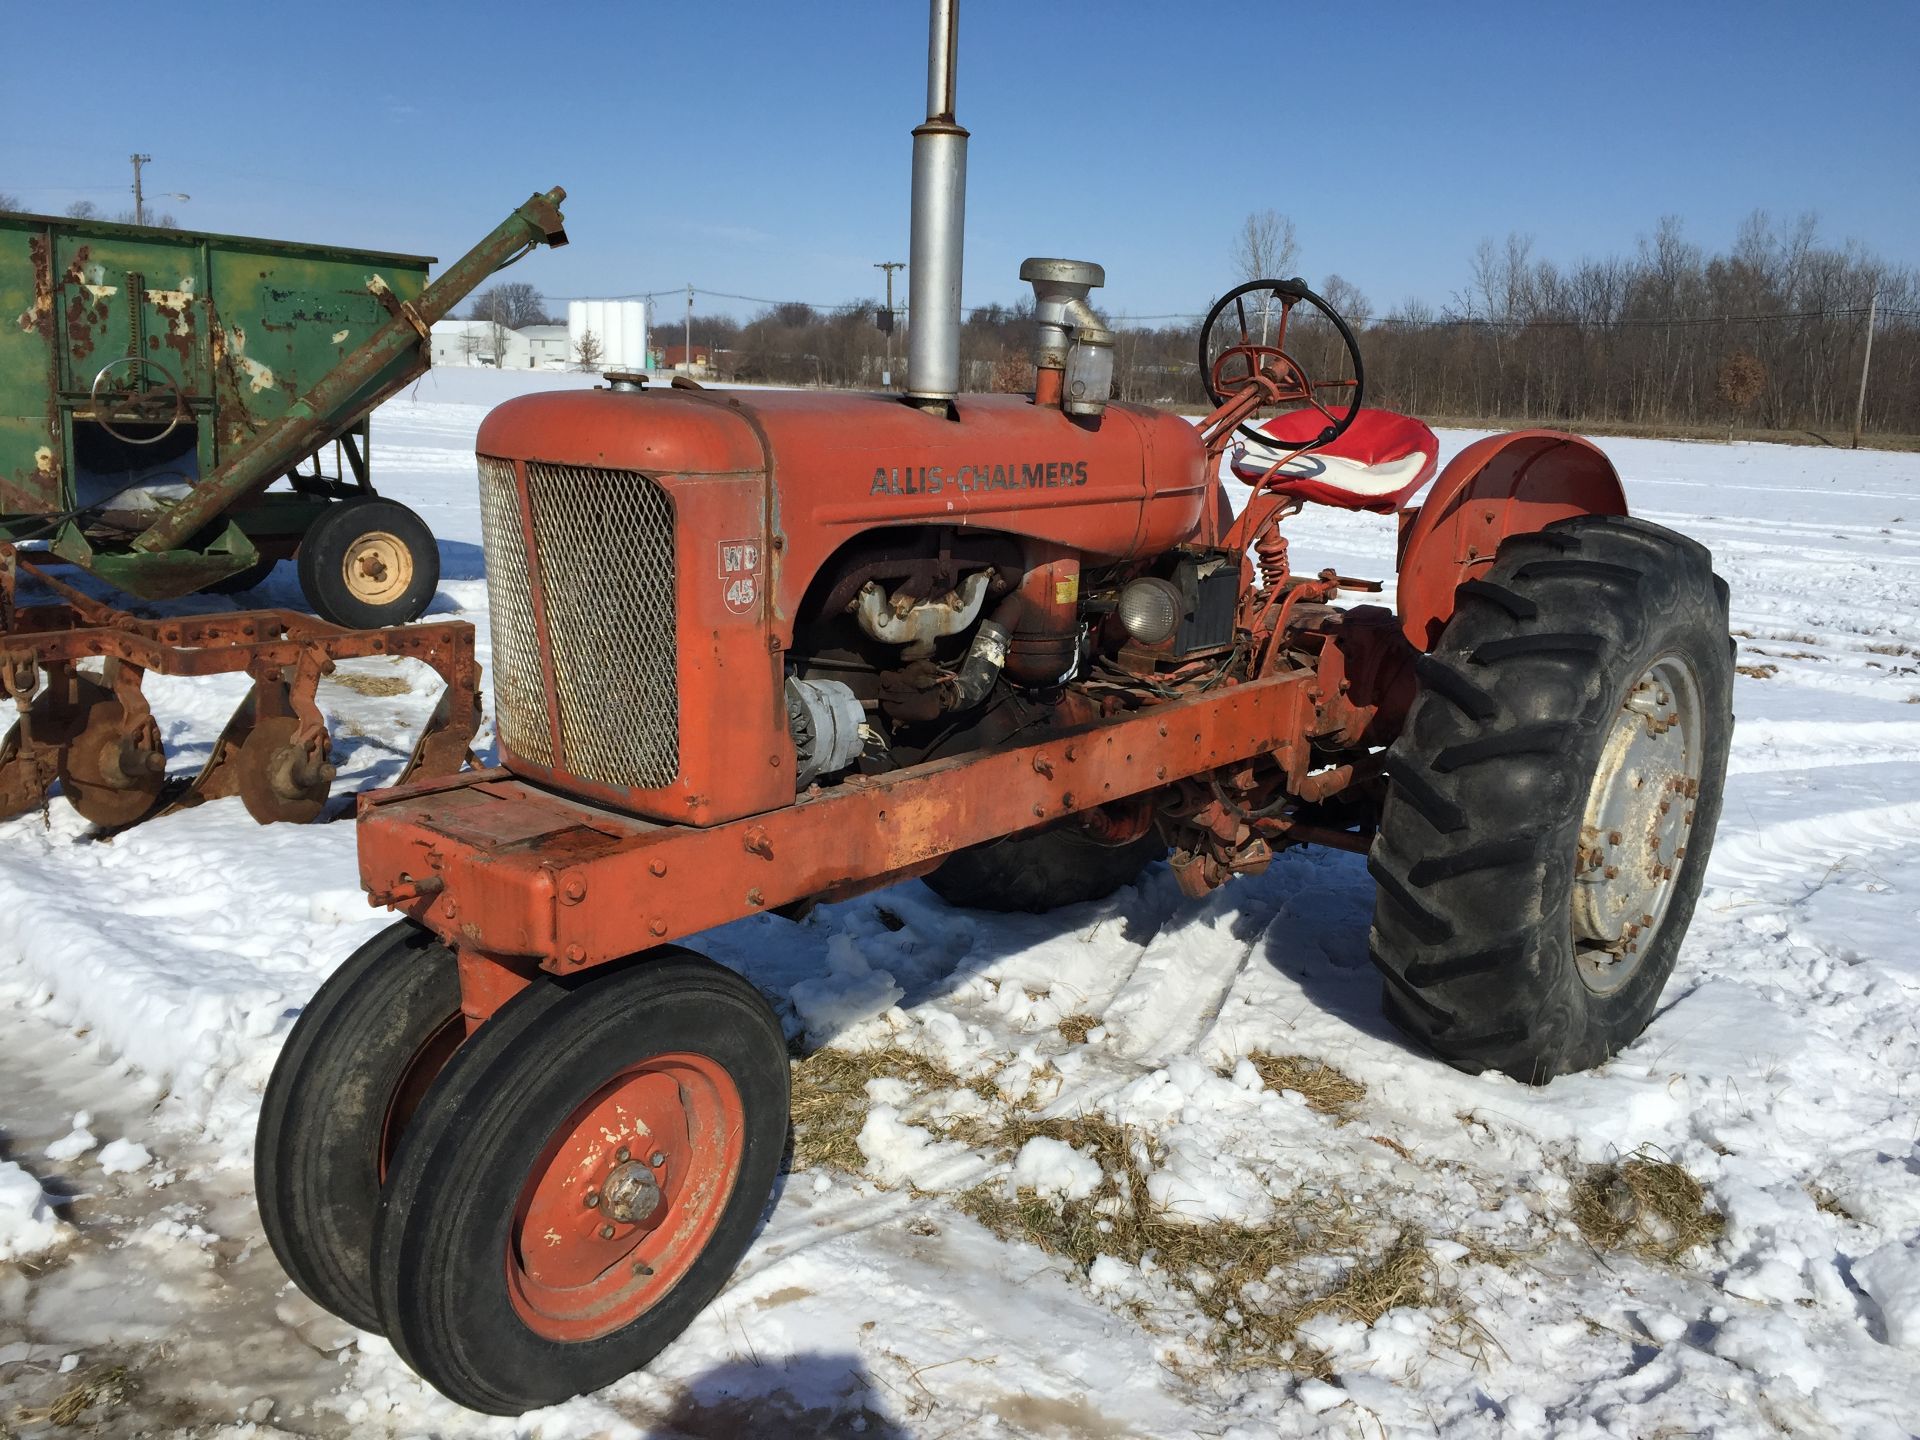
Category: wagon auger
[752,651]
[91,729]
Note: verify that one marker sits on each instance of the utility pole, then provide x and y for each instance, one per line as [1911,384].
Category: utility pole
[139,201]
[1866,359]
[886,375]
[689,355]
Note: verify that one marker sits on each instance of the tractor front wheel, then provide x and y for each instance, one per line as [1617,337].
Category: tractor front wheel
[353,1070]
[582,1180]
[1553,798]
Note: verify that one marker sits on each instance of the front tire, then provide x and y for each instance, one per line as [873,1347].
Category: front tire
[347,1082]
[582,1180]
[1553,799]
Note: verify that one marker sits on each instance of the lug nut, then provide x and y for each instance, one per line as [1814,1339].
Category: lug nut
[593,1200]
[656,1159]
[606,1232]
[623,1153]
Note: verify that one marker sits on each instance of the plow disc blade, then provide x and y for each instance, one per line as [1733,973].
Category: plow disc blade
[217,778]
[442,746]
[111,771]
[279,777]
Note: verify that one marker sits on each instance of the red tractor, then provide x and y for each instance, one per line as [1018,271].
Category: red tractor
[756,650]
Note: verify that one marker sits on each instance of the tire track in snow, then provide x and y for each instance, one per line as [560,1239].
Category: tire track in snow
[1799,855]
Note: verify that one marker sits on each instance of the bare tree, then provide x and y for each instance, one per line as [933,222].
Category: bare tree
[10,202]
[1265,246]
[587,351]
[1344,296]
[1265,249]
[83,210]
[512,303]
[1742,378]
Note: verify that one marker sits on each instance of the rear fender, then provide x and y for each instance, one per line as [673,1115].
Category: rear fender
[1503,485]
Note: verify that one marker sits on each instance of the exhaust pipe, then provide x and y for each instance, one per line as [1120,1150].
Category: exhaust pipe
[939,223]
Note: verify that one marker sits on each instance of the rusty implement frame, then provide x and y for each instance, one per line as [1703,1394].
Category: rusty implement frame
[521,877]
[91,729]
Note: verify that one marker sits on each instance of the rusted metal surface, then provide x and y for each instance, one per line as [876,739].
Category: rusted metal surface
[361,381]
[101,742]
[220,361]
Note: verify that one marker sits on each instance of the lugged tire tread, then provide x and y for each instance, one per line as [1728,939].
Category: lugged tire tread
[1517,606]
[1446,679]
[1540,738]
[1474,852]
[1562,642]
[1424,922]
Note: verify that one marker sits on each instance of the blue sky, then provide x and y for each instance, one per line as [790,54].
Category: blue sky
[762,148]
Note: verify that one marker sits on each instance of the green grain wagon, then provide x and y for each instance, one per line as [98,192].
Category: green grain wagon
[155,383]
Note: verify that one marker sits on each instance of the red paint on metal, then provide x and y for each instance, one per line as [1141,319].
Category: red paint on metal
[580,1264]
[505,848]
[1503,485]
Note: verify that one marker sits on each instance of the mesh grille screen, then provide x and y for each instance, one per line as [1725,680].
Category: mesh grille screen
[605,542]
[519,696]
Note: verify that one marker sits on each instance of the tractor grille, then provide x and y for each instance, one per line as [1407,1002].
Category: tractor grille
[604,544]
[519,694]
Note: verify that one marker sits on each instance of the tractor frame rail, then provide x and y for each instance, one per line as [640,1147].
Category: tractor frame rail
[518,878]
[93,731]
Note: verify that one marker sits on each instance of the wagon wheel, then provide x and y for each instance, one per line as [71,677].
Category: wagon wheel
[581,1181]
[131,404]
[1236,352]
[353,1071]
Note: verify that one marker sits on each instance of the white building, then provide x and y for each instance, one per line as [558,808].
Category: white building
[549,347]
[618,326]
[480,342]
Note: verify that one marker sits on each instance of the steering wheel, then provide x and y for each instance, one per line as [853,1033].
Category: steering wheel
[139,407]
[1265,362]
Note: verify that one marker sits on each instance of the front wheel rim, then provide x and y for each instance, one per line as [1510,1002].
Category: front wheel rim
[1639,817]
[624,1197]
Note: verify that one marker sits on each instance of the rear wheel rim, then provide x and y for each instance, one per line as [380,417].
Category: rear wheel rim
[1639,816]
[377,568]
[624,1197]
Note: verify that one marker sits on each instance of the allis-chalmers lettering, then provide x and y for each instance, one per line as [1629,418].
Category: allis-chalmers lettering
[970,479]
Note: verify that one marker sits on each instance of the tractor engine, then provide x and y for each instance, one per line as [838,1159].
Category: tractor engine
[706,603]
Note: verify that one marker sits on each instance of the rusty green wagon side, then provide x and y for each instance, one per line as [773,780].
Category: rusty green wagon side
[156,387]
[155,383]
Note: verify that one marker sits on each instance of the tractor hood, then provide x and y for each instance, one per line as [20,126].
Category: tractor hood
[1130,483]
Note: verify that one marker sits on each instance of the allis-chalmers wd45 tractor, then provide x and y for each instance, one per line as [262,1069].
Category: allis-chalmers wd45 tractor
[756,650]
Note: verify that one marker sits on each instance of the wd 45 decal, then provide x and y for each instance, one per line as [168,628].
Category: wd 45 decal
[740,574]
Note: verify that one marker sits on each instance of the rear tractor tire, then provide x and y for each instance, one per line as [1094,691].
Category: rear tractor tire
[367,563]
[1042,872]
[581,1181]
[354,1069]
[1553,798]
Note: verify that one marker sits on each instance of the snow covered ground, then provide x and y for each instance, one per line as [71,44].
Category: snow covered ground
[147,982]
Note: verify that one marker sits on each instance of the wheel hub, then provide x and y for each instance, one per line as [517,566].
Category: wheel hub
[378,567]
[631,1195]
[1639,814]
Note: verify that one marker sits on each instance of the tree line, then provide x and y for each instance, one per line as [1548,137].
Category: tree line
[1766,334]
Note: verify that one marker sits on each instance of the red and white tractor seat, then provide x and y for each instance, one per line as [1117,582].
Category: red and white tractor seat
[1377,463]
